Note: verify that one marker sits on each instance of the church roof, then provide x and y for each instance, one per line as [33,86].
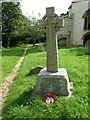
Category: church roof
[70,7]
[77,1]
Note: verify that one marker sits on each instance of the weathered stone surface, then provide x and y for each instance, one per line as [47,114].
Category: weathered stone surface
[87,47]
[51,22]
[57,83]
[52,79]
[40,47]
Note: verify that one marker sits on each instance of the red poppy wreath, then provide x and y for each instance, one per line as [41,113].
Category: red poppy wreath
[50,97]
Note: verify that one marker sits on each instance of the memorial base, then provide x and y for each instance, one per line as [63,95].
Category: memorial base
[57,83]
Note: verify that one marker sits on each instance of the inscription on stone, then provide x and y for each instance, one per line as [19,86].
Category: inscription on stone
[57,85]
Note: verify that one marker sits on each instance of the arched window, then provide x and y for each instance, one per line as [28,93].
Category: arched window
[86,17]
[87,23]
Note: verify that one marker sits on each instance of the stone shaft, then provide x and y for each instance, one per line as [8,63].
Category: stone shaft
[52,48]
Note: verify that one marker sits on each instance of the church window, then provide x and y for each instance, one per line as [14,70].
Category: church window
[87,23]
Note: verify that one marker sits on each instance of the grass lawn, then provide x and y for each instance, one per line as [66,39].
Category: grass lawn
[19,105]
[10,57]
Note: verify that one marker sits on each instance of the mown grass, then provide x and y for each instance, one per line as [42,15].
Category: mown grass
[19,105]
[10,57]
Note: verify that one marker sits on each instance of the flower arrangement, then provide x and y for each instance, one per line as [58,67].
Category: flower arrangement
[50,97]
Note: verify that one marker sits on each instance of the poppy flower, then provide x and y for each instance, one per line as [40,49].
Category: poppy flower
[50,97]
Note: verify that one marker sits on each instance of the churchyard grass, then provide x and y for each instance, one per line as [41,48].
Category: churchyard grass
[18,104]
[10,57]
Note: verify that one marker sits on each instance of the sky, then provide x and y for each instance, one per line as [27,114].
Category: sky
[33,7]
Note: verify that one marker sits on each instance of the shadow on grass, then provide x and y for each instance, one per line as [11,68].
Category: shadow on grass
[78,51]
[19,51]
[33,49]
[12,52]
[23,99]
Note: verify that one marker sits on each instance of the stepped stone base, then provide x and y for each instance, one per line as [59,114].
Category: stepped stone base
[57,83]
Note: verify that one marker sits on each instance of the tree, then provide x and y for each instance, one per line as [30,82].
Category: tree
[10,17]
[18,28]
[37,32]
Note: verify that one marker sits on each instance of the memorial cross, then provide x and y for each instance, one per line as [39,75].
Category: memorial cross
[52,25]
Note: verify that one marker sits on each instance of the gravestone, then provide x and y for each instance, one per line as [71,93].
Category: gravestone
[52,79]
[87,47]
[40,47]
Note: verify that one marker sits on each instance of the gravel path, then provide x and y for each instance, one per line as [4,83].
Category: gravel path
[8,81]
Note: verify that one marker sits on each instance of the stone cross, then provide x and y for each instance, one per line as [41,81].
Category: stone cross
[51,23]
[52,79]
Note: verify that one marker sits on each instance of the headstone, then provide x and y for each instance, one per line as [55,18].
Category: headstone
[52,79]
[40,47]
[87,47]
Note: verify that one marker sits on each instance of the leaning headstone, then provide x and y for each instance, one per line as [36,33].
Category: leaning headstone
[52,79]
[40,47]
[87,47]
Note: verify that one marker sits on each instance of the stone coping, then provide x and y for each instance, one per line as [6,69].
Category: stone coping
[61,72]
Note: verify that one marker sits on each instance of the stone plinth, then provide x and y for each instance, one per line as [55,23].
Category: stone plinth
[57,83]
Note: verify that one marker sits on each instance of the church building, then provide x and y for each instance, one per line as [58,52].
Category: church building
[76,24]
